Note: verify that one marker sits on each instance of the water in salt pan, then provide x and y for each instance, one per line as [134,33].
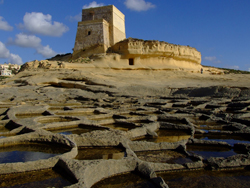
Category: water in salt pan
[30,152]
[42,179]
[165,135]
[207,179]
[100,153]
[129,180]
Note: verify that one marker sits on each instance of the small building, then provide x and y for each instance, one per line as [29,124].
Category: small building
[6,72]
[6,69]
[4,66]
[99,29]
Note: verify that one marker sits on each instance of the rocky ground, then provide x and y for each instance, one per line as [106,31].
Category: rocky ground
[139,121]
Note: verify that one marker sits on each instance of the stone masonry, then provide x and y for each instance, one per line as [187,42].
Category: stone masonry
[99,29]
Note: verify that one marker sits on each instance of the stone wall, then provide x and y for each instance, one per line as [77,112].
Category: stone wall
[98,13]
[131,48]
[100,28]
[160,55]
[117,26]
[90,33]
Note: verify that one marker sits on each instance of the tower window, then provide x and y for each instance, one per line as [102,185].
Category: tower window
[131,61]
[92,15]
[89,32]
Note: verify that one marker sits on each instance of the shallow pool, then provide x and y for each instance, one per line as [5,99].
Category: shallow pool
[30,152]
[100,153]
[167,136]
[210,151]
[42,179]
[207,179]
[163,156]
[129,180]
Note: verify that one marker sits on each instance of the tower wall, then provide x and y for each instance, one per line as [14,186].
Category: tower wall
[117,27]
[90,33]
[100,28]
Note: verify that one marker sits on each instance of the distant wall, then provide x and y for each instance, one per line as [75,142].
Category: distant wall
[132,48]
[117,61]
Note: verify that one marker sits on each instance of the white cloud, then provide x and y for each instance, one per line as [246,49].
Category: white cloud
[77,18]
[38,23]
[1,1]
[213,59]
[218,61]
[12,58]
[27,41]
[138,5]
[210,58]
[4,25]
[15,59]
[4,52]
[249,69]
[46,51]
[236,67]
[32,41]
[92,5]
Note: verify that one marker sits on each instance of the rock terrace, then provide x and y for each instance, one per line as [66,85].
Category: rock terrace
[109,126]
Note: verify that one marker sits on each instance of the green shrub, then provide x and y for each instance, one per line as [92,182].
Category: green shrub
[3,77]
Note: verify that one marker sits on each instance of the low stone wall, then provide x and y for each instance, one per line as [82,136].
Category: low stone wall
[157,54]
[33,138]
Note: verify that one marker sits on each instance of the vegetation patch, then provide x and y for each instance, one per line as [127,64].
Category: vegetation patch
[3,77]
[233,71]
[230,71]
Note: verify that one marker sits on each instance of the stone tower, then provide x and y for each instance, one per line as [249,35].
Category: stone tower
[99,29]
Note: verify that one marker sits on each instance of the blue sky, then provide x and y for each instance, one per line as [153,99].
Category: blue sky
[219,29]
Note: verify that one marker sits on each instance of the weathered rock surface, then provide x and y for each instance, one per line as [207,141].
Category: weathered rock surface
[98,108]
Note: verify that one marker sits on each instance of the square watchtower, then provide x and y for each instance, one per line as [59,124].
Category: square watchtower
[99,29]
